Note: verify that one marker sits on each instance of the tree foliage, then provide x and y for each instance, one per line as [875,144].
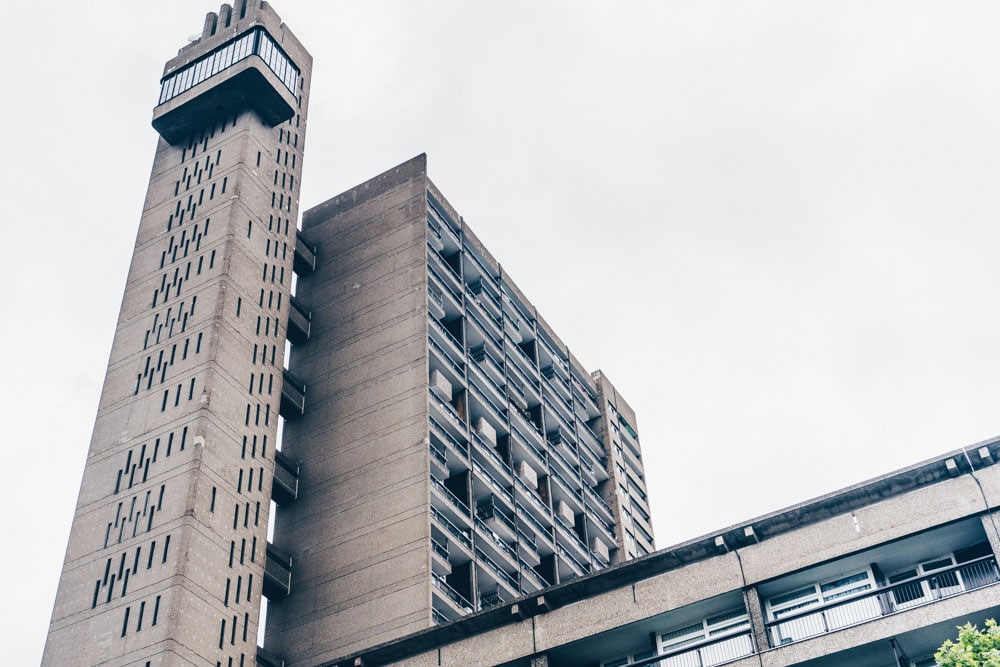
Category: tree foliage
[974,648]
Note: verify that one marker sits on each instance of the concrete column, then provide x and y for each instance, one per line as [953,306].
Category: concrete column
[751,598]
[990,524]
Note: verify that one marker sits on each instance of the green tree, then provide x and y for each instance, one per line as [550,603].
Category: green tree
[975,648]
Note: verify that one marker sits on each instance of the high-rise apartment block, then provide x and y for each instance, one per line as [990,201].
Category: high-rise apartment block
[165,562]
[443,453]
[455,455]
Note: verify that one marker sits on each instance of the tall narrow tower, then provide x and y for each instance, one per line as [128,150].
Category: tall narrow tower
[165,561]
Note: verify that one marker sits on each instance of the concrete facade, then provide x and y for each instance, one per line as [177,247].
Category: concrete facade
[165,561]
[875,575]
[454,454]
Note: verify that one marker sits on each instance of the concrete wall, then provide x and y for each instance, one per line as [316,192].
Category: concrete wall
[359,535]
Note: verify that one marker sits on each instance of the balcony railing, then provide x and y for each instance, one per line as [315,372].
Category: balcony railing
[496,486]
[716,650]
[448,411]
[304,261]
[459,534]
[452,498]
[495,569]
[451,593]
[573,561]
[444,274]
[596,500]
[883,601]
[495,540]
[441,433]
[523,513]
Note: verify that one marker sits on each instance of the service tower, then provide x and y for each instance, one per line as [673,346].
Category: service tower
[166,557]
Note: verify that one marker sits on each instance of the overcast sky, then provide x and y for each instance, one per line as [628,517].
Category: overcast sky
[773,225]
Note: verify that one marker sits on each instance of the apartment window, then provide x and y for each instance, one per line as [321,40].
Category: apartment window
[912,594]
[710,641]
[814,595]
[628,659]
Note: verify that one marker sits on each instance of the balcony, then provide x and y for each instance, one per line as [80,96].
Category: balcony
[457,533]
[456,503]
[602,508]
[450,421]
[491,542]
[445,344]
[293,396]
[491,482]
[497,572]
[441,564]
[486,297]
[531,521]
[285,488]
[268,659]
[304,261]
[449,297]
[489,364]
[818,619]
[716,650]
[299,322]
[453,596]
[531,581]
[571,562]
[480,332]
[487,457]
[527,549]
[496,519]
[487,395]
[277,574]
[445,274]
[439,459]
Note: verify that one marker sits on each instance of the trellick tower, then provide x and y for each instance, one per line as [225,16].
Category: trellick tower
[165,561]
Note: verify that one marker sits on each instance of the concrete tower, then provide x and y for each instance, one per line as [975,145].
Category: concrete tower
[455,454]
[165,561]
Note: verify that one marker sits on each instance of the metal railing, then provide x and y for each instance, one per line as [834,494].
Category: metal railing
[882,601]
[439,549]
[505,577]
[452,594]
[492,481]
[452,498]
[440,432]
[440,455]
[523,513]
[459,534]
[496,540]
[488,511]
[448,410]
[717,650]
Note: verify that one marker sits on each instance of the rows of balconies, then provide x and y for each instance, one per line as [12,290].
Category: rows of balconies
[492,412]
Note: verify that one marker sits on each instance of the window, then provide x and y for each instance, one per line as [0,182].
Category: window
[628,659]
[815,595]
[711,641]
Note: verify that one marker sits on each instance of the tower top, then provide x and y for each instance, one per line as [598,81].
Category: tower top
[246,57]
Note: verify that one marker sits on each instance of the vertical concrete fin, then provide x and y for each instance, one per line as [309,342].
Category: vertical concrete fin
[240,9]
[225,16]
[211,22]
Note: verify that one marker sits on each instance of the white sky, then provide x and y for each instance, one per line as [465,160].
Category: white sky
[773,225]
